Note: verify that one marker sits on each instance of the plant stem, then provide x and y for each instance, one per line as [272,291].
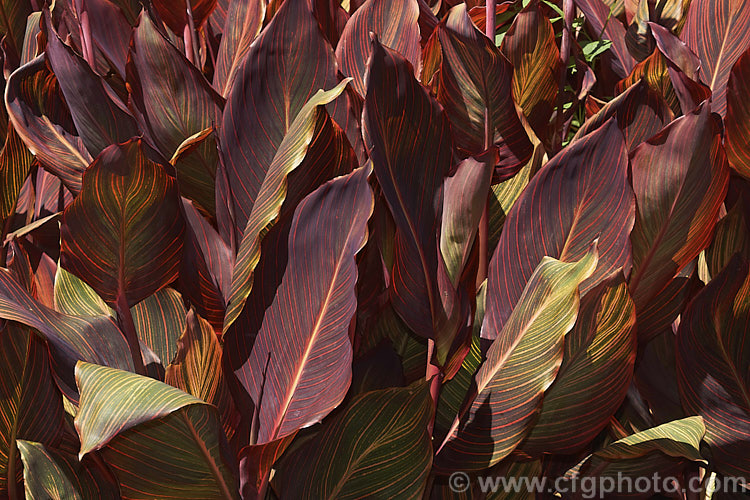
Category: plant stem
[126,321]
[489,29]
[568,11]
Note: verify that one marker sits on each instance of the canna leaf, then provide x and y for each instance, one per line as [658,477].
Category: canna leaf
[99,121]
[174,101]
[270,197]
[123,234]
[580,194]
[51,474]
[196,369]
[148,429]
[680,179]
[244,21]
[15,163]
[529,45]
[276,79]
[395,24]
[33,113]
[521,364]
[608,27]
[474,75]
[378,446]
[712,365]
[662,450]
[95,339]
[30,404]
[173,12]
[595,373]
[737,121]
[300,366]
[718,32]
[408,138]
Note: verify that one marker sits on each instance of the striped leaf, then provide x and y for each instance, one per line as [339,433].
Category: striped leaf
[454,391]
[597,14]
[395,24]
[243,23]
[580,194]
[475,75]
[329,155]
[679,178]
[712,365]
[123,234]
[95,339]
[206,269]
[13,14]
[148,429]
[529,44]
[15,163]
[196,369]
[270,196]
[173,13]
[30,404]
[595,374]
[737,121]
[174,101]
[504,194]
[276,79]
[732,236]
[98,120]
[663,450]
[110,32]
[75,297]
[33,110]
[51,474]
[256,461]
[378,446]
[640,113]
[300,366]
[521,364]
[718,32]
[408,138]
[159,321]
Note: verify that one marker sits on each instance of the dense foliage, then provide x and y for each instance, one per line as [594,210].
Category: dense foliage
[324,249]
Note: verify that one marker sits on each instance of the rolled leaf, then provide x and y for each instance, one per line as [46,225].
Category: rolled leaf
[123,234]
[580,194]
[173,12]
[530,47]
[196,369]
[56,147]
[300,366]
[521,364]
